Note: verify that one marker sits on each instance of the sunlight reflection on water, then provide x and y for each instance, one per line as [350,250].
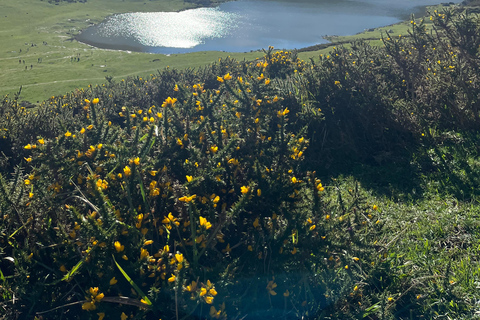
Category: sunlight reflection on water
[185,29]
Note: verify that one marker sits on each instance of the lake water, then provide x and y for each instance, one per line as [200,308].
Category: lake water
[245,25]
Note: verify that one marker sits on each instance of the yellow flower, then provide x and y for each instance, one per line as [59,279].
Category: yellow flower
[87,101]
[68,134]
[192,287]
[214,313]
[214,148]
[179,257]
[82,131]
[294,180]
[187,199]
[136,161]
[101,315]
[143,253]
[90,127]
[172,278]
[95,101]
[375,207]
[219,79]
[169,102]
[89,306]
[286,293]
[127,171]
[205,223]
[227,76]
[244,189]
[189,178]
[270,286]
[28,159]
[28,146]
[283,112]
[213,292]
[123,316]
[113,281]
[256,223]
[209,300]
[41,141]
[118,246]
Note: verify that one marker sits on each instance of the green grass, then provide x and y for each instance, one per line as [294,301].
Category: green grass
[374,37]
[24,22]
[93,190]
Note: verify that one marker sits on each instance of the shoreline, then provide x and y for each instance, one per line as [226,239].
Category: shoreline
[315,47]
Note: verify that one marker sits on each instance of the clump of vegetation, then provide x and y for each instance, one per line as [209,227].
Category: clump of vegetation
[216,193]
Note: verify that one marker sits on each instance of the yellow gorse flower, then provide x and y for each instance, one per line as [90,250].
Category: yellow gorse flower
[113,281]
[187,199]
[179,257]
[118,246]
[270,286]
[204,223]
[169,102]
[282,113]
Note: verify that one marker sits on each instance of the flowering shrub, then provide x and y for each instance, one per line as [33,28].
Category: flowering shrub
[195,194]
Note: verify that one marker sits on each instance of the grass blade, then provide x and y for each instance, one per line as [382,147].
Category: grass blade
[139,291]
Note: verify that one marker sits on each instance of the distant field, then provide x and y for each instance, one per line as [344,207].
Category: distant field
[41,34]
[39,53]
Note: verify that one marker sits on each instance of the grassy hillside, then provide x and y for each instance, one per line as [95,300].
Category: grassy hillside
[341,188]
[33,29]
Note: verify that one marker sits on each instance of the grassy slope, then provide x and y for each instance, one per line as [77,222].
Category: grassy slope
[374,37]
[24,22]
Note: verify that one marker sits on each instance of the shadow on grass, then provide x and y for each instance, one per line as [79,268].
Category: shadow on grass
[446,165]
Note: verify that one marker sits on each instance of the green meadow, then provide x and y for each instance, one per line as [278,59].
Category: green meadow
[209,186]
[51,28]
[40,55]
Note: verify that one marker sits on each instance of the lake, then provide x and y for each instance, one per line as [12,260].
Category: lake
[245,25]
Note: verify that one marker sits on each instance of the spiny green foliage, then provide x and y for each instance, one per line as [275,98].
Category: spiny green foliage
[197,194]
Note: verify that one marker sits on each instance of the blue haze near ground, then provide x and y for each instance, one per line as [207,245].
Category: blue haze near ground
[245,25]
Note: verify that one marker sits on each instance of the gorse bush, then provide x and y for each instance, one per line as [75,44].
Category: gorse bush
[196,194]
